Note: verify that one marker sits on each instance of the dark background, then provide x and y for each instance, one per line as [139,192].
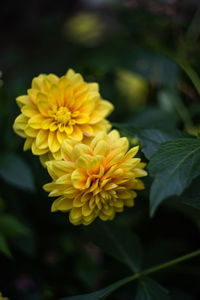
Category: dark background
[50,257]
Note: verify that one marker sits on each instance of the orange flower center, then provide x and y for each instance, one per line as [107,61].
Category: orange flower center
[62,115]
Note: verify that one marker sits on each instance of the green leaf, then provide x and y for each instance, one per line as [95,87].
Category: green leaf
[15,171]
[4,246]
[149,289]
[174,166]
[120,243]
[191,195]
[152,139]
[10,226]
[101,294]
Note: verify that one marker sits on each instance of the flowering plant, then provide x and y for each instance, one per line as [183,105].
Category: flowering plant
[103,202]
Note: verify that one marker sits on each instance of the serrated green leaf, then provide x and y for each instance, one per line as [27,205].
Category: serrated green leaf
[101,294]
[174,167]
[15,171]
[152,139]
[149,289]
[10,226]
[120,243]
[4,246]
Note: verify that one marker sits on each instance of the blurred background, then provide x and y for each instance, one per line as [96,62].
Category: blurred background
[133,49]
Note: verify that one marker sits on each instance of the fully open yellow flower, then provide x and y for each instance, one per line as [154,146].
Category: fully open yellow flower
[59,108]
[95,180]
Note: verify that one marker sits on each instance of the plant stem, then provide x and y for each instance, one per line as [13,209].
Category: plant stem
[190,72]
[149,271]
[169,263]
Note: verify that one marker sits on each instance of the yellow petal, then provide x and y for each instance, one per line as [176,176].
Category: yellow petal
[103,109]
[52,78]
[57,155]
[61,136]
[38,81]
[94,87]
[42,139]
[86,129]
[35,121]
[138,184]
[63,82]
[114,135]
[69,73]
[56,94]
[22,100]
[31,132]
[79,150]
[62,204]
[79,178]
[76,134]
[76,80]
[66,150]
[66,178]
[86,211]
[75,213]
[43,104]
[129,202]
[57,169]
[29,110]
[87,107]
[82,161]
[33,95]
[69,129]
[53,126]
[37,151]
[132,152]
[101,148]
[94,164]
[103,125]
[46,123]
[28,144]
[20,124]
[77,202]
[82,119]
[53,143]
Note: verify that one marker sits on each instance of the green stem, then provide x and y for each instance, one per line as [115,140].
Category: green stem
[149,271]
[190,72]
[183,113]
[169,263]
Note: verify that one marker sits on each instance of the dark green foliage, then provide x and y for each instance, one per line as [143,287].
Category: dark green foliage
[41,254]
[16,171]
[149,289]
[120,243]
[174,167]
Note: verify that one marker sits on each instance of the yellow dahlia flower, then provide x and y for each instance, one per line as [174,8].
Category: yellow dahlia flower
[59,108]
[95,180]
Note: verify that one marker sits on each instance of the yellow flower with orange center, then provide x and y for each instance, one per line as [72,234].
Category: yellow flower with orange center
[95,180]
[62,108]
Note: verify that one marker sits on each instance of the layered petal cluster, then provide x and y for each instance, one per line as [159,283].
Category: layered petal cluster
[95,180]
[56,109]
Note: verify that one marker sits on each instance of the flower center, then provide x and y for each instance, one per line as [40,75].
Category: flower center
[62,115]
